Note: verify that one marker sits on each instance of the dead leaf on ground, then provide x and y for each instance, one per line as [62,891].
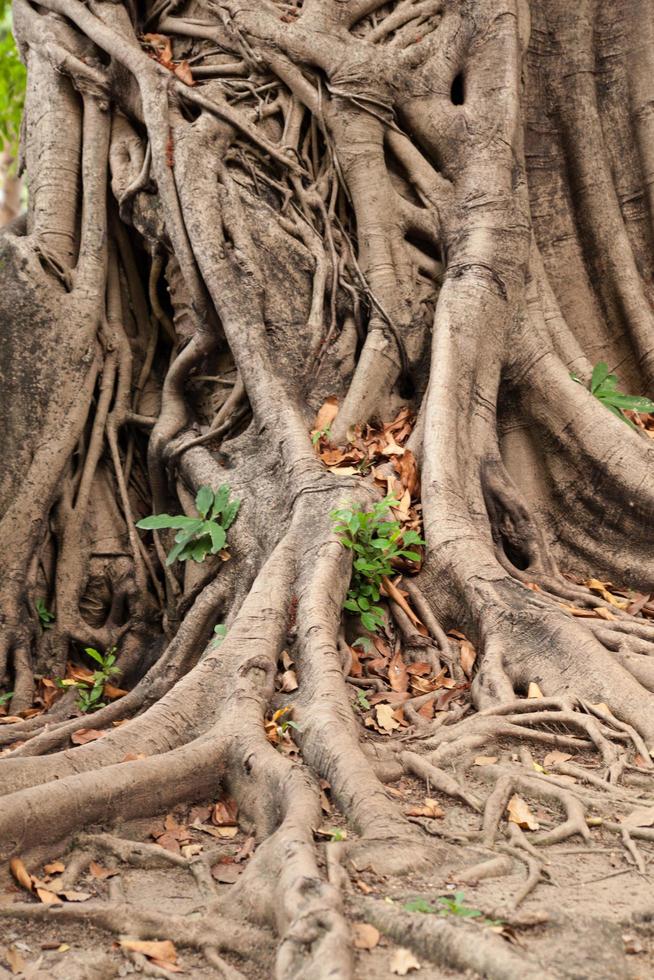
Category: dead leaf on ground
[326,413]
[84,735]
[467,656]
[602,587]
[397,673]
[386,718]
[430,808]
[226,874]
[484,760]
[553,758]
[15,960]
[55,868]
[289,681]
[161,949]
[98,871]
[533,691]
[224,813]
[520,814]
[403,961]
[602,706]
[74,896]
[20,873]
[641,817]
[365,936]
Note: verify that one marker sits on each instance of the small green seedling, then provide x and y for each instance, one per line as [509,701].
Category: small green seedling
[89,693]
[364,642]
[45,616]
[335,834]
[604,387]
[6,698]
[198,536]
[285,725]
[363,704]
[221,632]
[324,433]
[374,541]
[450,906]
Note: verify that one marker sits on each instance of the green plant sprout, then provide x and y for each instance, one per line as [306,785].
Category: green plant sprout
[89,696]
[604,387]
[363,704]
[198,536]
[374,541]
[45,616]
[6,698]
[453,905]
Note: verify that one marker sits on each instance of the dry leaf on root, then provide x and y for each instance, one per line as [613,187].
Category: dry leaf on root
[533,691]
[289,681]
[520,814]
[15,960]
[84,735]
[430,808]
[160,949]
[386,718]
[98,871]
[467,656]
[225,873]
[224,813]
[553,758]
[397,673]
[485,760]
[365,936]
[642,817]
[602,587]
[55,868]
[403,961]
[326,413]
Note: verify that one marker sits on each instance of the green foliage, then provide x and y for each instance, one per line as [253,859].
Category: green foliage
[6,698]
[45,616]
[604,386]
[198,537]
[374,541]
[221,632]
[12,83]
[362,701]
[453,905]
[324,433]
[335,834]
[90,692]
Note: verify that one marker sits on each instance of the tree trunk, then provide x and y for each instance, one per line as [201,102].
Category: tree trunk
[445,205]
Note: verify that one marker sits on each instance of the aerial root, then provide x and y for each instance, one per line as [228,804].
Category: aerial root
[209,930]
[438,780]
[460,946]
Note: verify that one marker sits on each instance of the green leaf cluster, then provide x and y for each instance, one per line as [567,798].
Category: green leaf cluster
[200,536]
[12,83]
[6,698]
[44,614]
[447,906]
[89,697]
[374,541]
[604,387]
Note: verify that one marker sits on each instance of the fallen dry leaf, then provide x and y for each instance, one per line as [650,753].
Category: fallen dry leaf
[162,949]
[397,673]
[533,691]
[224,813]
[467,656]
[552,758]
[484,760]
[602,587]
[98,871]
[184,73]
[403,961]
[430,808]
[20,873]
[641,817]
[55,868]
[74,896]
[15,960]
[226,874]
[386,718]
[365,936]
[84,735]
[326,413]
[46,896]
[520,814]
[289,681]
[602,706]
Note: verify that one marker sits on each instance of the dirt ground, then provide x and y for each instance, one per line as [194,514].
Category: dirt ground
[591,914]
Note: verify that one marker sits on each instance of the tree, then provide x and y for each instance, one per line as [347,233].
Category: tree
[238,210]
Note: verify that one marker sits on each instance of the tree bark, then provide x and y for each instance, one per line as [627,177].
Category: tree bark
[440,205]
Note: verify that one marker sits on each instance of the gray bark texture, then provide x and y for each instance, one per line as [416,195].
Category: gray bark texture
[440,204]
